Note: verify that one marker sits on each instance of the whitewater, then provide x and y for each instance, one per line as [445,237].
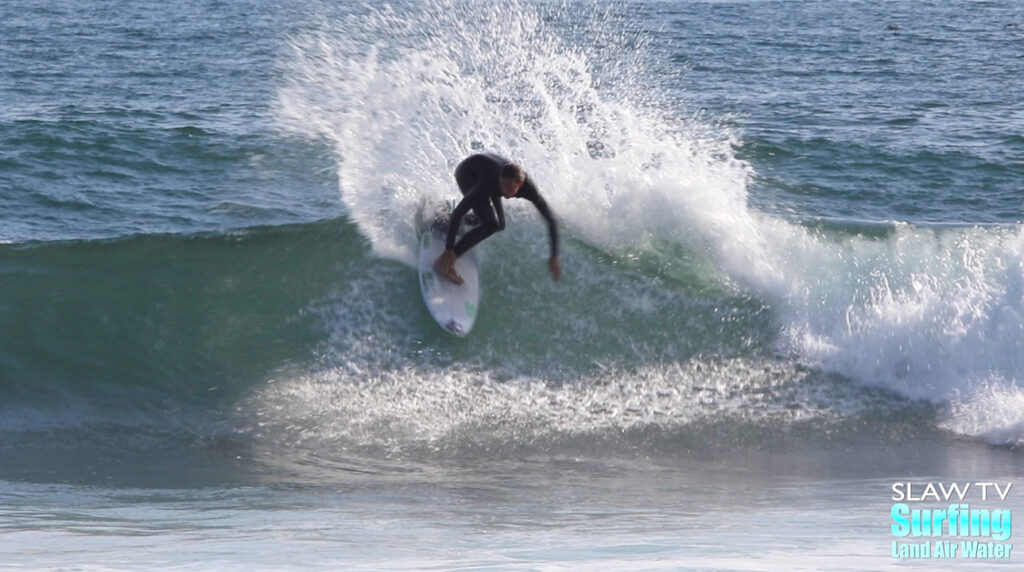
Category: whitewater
[930,312]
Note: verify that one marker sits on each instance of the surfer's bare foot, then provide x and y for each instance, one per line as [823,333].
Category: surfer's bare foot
[445,265]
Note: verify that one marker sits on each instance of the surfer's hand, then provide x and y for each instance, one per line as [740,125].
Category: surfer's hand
[445,264]
[555,267]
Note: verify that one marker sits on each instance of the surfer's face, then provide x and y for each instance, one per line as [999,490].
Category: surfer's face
[510,187]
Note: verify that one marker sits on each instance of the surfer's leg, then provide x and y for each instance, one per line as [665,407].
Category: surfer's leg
[488,221]
[488,226]
[465,179]
[472,238]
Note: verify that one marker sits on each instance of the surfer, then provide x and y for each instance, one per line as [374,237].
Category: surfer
[484,179]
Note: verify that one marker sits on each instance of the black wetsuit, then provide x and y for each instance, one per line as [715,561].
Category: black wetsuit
[478,177]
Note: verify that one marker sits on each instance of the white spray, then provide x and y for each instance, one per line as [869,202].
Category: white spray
[401,95]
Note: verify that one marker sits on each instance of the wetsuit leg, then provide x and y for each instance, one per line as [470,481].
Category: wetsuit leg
[485,212]
[465,178]
[488,226]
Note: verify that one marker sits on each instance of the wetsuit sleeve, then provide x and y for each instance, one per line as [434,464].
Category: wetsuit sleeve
[545,211]
[530,193]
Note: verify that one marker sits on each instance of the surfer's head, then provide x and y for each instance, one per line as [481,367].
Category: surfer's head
[511,180]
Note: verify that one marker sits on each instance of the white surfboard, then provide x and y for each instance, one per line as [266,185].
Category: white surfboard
[453,306]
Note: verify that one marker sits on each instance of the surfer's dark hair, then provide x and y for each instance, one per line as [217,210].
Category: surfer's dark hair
[513,171]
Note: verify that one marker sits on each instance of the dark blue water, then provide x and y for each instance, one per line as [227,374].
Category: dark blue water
[794,275]
[148,118]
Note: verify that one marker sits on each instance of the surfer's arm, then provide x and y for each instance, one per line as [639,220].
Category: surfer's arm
[554,263]
[545,211]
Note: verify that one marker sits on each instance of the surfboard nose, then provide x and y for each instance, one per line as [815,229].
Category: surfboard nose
[455,328]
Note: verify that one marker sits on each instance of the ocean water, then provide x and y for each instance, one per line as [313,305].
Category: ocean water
[794,283]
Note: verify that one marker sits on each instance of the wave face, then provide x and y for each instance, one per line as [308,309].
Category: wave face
[929,313]
[144,321]
[690,318]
